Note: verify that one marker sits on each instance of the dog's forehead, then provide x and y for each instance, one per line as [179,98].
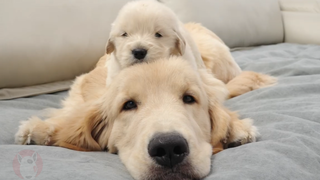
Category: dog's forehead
[137,13]
[172,73]
[143,6]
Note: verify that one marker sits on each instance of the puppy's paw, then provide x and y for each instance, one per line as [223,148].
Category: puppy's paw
[34,131]
[242,132]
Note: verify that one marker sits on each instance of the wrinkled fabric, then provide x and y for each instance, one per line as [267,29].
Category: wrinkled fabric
[287,115]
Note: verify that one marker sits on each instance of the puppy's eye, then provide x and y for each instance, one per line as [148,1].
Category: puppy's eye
[129,105]
[124,34]
[188,99]
[158,35]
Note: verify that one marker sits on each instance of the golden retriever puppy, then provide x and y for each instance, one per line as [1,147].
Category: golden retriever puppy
[164,116]
[148,30]
[145,31]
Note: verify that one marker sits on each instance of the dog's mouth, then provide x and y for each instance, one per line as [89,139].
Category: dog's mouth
[175,176]
[138,61]
[181,172]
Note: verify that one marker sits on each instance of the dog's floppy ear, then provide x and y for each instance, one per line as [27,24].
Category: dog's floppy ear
[219,115]
[180,44]
[227,130]
[82,130]
[110,46]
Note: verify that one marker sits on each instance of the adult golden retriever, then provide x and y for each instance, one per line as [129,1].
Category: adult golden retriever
[92,117]
[162,118]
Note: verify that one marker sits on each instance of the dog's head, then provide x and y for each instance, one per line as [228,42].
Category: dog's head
[162,118]
[144,31]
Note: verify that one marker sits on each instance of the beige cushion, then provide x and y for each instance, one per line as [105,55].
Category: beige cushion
[302,28]
[310,6]
[11,93]
[48,41]
[301,20]
[239,23]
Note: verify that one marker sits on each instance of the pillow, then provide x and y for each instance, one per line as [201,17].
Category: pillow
[301,21]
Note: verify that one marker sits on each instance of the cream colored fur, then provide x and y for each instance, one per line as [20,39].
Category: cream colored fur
[141,20]
[91,120]
[215,54]
[158,87]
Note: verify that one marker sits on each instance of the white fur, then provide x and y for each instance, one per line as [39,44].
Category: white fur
[141,20]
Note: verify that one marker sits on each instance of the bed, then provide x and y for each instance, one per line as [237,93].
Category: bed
[287,115]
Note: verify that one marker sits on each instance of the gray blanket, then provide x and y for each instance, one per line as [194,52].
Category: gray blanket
[287,115]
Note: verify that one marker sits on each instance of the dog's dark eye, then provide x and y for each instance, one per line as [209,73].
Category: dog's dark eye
[124,34]
[129,105]
[158,35]
[188,99]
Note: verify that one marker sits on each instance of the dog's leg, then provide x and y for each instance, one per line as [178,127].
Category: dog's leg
[241,132]
[231,131]
[248,81]
[34,131]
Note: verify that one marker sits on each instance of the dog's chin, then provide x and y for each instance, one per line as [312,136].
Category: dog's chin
[132,61]
[180,172]
[171,175]
[139,61]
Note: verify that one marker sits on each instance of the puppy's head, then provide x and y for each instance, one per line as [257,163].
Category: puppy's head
[144,31]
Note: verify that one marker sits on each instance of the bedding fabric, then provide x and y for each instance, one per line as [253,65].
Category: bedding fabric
[287,115]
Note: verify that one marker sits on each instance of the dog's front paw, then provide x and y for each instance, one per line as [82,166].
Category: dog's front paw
[242,132]
[34,131]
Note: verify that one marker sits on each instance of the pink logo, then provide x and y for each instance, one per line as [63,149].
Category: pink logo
[27,164]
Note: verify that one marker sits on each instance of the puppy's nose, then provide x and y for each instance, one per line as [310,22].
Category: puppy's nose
[139,53]
[168,149]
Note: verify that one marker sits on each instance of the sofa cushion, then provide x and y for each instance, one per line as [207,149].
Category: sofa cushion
[301,20]
[238,23]
[49,41]
[300,5]
[302,27]
[12,93]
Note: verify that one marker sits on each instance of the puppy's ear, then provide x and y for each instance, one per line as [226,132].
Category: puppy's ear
[227,130]
[180,44]
[81,130]
[110,47]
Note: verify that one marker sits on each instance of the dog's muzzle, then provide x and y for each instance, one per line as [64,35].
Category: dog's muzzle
[139,53]
[168,149]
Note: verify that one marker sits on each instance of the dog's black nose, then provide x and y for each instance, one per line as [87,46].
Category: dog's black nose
[168,149]
[139,53]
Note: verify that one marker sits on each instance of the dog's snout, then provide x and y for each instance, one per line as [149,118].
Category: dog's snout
[139,53]
[168,149]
